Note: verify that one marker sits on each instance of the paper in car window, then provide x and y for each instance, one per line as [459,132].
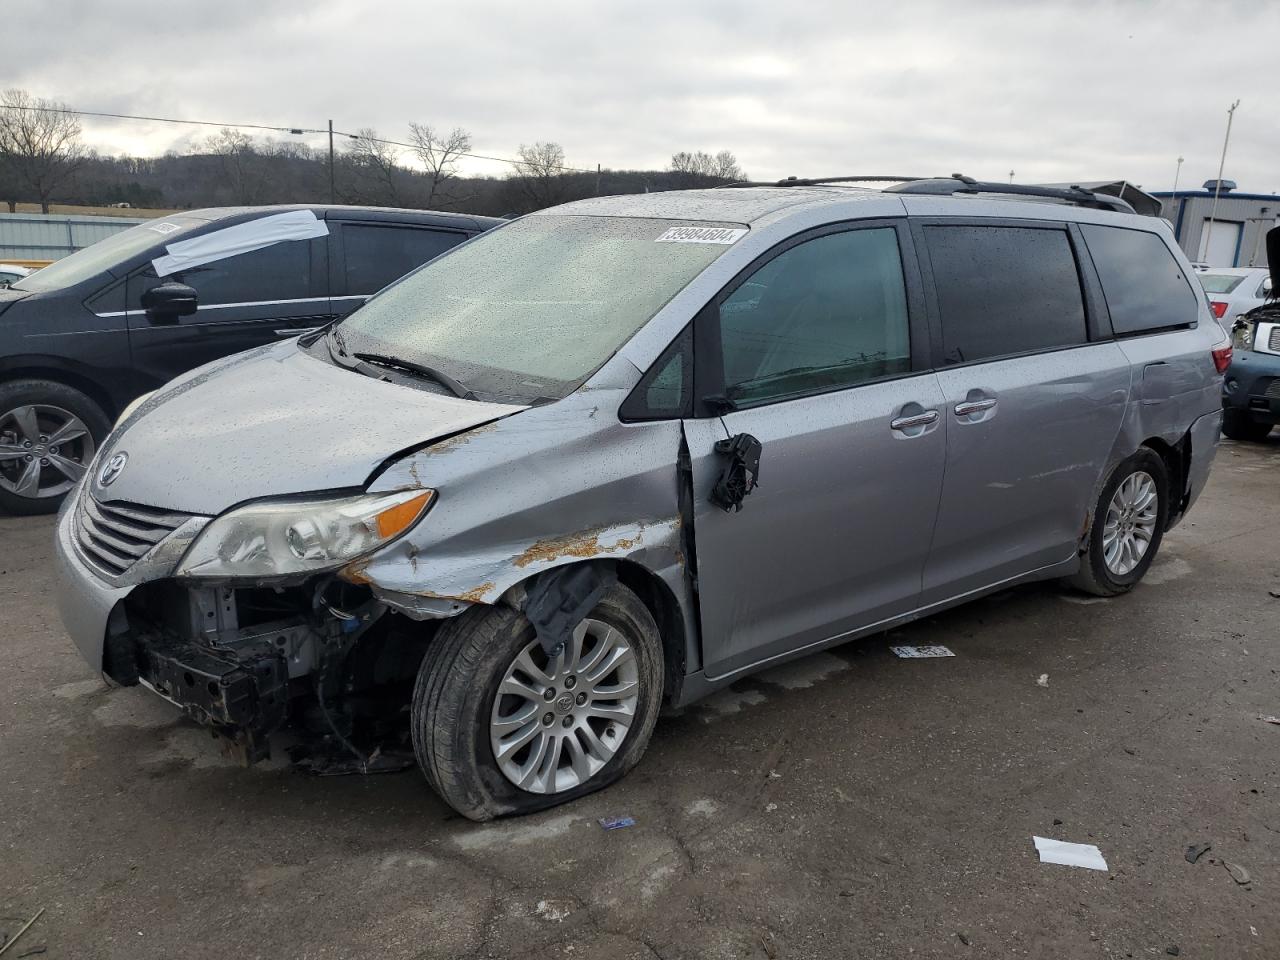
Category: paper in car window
[163,227]
[724,235]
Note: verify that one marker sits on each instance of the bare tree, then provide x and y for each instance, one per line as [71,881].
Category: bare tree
[241,164]
[540,175]
[376,168]
[439,154]
[701,169]
[39,144]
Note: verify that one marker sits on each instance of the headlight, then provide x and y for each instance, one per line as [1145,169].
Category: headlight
[127,411]
[284,537]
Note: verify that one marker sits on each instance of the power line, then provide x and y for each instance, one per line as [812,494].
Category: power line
[290,130]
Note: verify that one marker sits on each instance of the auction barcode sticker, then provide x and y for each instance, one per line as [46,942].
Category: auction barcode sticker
[703,235]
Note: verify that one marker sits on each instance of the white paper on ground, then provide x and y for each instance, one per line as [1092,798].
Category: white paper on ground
[242,238]
[927,651]
[1070,854]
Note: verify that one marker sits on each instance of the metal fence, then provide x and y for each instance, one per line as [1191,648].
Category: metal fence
[37,238]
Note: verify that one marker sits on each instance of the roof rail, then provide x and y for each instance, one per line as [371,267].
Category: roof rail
[813,181]
[958,183]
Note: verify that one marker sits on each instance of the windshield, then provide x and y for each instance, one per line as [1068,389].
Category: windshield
[1219,282]
[106,253]
[530,310]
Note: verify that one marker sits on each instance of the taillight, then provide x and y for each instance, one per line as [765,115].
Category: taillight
[1219,308]
[1222,358]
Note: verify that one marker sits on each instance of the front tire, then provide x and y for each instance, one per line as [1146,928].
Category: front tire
[48,435]
[1239,425]
[485,691]
[1128,525]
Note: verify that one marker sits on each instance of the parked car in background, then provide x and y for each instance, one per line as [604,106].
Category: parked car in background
[513,498]
[11,273]
[83,337]
[1251,388]
[1234,291]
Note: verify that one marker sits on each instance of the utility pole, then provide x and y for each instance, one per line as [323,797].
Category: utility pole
[1011,176]
[332,192]
[597,179]
[1217,187]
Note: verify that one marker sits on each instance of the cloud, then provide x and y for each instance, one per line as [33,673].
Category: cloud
[1051,90]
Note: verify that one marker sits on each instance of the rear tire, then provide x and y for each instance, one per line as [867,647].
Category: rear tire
[1107,568]
[49,433]
[1238,425]
[458,706]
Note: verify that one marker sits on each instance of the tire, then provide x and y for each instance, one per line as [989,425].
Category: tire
[456,700]
[31,413]
[1239,425]
[1096,575]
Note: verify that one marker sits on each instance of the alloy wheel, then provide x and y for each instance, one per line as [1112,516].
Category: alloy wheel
[44,450]
[558,720]
[1131,523]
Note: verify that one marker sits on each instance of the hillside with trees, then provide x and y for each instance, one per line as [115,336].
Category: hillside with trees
[43,160]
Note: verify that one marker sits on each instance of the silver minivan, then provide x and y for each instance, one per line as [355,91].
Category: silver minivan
[622,452]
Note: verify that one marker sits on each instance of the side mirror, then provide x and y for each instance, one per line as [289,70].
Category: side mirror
[169,301]
[1266,286]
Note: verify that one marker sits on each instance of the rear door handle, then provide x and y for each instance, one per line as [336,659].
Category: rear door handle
[974,406]
[914,420]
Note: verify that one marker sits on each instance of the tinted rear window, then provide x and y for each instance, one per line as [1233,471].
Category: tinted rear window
[1005,290]
[1144,285]
[377,256]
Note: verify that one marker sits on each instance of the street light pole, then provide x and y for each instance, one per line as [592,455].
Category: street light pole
[1217,187]
[1176,175]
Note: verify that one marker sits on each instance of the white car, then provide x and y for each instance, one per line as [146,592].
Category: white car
[1234,290]
[11,273]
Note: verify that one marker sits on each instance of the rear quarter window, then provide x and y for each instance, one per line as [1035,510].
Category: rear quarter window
[1145,287]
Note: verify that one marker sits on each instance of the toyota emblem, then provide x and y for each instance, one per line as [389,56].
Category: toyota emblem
[113,469]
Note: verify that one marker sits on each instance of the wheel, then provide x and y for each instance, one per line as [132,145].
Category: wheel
[48,435]
[1238,425]
[1128,525]
[501,728]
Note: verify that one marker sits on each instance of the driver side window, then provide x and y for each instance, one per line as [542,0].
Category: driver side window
[826,314]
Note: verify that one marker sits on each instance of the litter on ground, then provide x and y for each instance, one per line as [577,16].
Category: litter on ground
[1197,850]
[911,653]
[617,823]
[1042,680]
[1070,854]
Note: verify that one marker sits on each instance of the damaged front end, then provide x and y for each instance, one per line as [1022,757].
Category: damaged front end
[320,658]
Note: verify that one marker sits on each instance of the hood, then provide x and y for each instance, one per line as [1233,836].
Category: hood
[9,296]
[1273,259]
[272,422]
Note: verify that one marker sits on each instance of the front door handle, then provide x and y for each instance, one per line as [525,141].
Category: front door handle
[293,331]
[974,406]
[914,420]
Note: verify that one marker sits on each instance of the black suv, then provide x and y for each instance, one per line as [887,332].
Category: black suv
[85,336]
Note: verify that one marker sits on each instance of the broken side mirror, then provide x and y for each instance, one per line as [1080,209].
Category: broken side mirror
[169,301]
[741,472]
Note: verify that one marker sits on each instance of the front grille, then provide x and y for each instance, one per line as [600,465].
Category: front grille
[115,535]
[1273,390]
[1273,340]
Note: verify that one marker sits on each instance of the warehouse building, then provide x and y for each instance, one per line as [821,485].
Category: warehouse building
[1235,237]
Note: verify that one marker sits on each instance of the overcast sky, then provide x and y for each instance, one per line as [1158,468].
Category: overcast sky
[1051,90]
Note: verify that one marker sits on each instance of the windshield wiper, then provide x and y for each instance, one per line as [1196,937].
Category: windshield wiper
[419,369]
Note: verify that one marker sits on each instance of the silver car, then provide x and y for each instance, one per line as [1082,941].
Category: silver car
[622,452]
